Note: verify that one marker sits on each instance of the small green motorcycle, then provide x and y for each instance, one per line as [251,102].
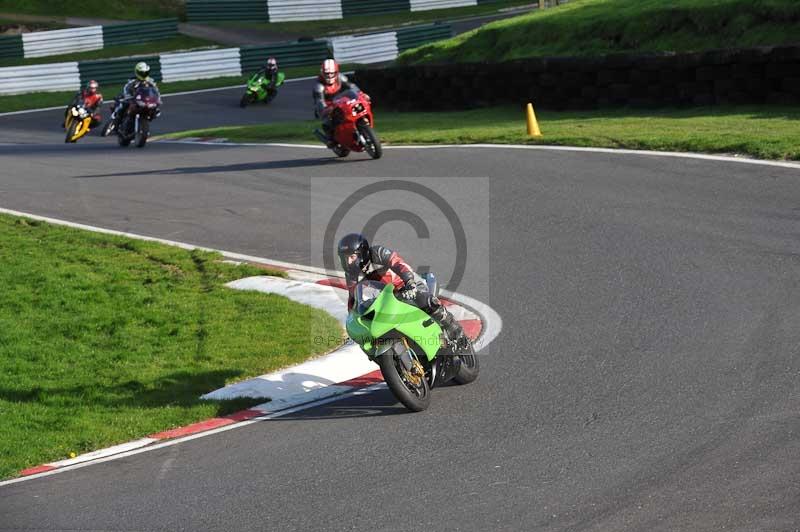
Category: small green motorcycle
[412,350]
[259,89]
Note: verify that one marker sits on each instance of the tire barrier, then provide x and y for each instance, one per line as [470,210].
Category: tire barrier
[737,76]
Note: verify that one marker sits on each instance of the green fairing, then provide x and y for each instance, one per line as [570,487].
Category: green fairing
[258,84]
[393,314]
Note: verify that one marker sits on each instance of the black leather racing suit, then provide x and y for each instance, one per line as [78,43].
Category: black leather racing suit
[388,267]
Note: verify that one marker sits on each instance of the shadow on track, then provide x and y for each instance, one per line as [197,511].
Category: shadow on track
[373,404]
[241,167]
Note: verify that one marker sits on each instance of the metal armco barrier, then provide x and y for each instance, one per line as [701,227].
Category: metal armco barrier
[408,38]
[185,66]
[40,78]
[136,32]
[200,65]
[287,54]
[57,42]
[363,49]
[286,10]
[427,5]
[354,8]
[44,43]
[115,72]
[11,47]
[214,10]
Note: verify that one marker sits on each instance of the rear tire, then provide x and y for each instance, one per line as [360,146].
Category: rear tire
[470,367]
[414,398]
[143,133]
[373,145]
[340,151]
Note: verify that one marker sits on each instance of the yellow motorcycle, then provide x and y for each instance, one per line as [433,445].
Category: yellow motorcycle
[77,123]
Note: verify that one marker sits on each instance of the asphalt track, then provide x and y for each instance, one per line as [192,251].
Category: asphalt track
[645,379]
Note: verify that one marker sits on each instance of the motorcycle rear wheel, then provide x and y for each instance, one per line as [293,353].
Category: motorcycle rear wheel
[340,151]
[469,369]
[373,144]
[415,398]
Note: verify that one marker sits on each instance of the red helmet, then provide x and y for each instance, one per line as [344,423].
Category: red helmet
[329,72]
[92,87]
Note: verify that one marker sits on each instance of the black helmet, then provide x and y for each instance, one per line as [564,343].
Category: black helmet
[354,244]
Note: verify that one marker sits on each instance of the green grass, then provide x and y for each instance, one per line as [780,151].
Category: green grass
[761,132]
[113,9]
[38,100]
[597,27]
[105,339]
[319,28]
[180,42]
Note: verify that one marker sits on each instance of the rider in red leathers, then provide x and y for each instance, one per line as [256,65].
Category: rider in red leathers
[91,98]
[330,83]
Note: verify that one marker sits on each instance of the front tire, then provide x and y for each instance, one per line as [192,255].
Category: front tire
[469,369]
[71,131]
[373,144]
[245,101]
[143,133]
[414,397]
[107,129]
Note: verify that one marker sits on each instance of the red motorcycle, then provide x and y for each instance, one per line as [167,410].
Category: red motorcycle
[352,122]
[134,124]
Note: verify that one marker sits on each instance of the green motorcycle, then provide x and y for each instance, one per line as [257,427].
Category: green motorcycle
[259,89]
[412,350]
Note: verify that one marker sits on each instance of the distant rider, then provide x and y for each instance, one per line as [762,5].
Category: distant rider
[270,71]
[361,261]
[330,83]
[141,77]
[91,98]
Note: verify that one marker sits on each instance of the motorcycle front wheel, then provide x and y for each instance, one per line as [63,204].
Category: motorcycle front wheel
[372,144]
[143,133]
[411,390]
[71,131]
[246,100]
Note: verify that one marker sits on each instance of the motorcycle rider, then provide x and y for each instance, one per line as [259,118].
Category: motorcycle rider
[270,71]
[141,76]
[91,98]
[330,83]
[378,263]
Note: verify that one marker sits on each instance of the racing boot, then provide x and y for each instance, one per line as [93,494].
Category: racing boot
[451,327]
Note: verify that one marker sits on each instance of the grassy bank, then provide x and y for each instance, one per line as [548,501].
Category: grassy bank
[597,27]
[761,132]
[105,339]
[113,9]
[180,42]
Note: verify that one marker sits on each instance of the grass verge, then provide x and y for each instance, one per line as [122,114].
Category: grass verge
[39,100]
[598,27]
[116,9]
[181,42]
[320,28]
[105,339]
[761,132]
